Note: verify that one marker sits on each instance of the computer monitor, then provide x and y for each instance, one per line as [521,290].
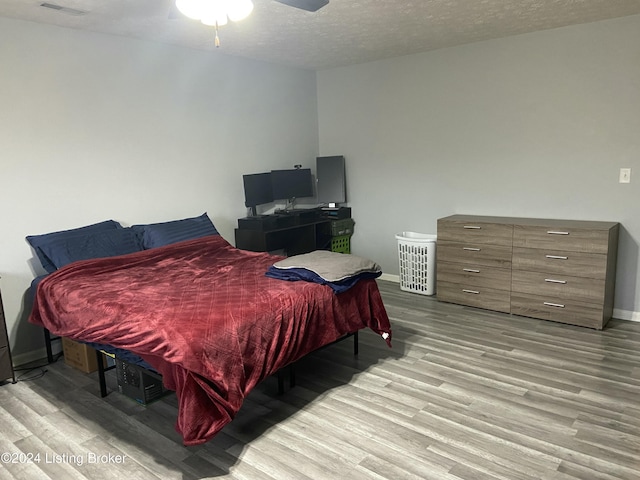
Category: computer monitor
[331,180]
[257,189]
[291,184]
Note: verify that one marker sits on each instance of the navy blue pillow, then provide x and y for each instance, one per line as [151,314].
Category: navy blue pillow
[40,241]
[110,243]
[165,233]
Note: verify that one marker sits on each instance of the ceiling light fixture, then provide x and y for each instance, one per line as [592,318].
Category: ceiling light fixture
[215,13]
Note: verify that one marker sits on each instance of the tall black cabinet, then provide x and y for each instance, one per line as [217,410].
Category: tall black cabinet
[6,364]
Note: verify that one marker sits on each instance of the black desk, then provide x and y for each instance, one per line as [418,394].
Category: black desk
[293,239]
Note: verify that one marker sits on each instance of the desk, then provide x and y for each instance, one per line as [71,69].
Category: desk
[294,239]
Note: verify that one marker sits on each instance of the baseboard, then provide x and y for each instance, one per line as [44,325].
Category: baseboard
[34,356]
[390,278]
[628,315]
[618,313]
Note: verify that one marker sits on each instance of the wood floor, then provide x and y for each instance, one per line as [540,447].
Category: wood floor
[463,394]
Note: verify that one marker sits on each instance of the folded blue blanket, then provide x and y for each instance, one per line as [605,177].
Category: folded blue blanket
[294,274]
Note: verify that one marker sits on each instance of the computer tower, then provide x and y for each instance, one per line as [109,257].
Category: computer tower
[139,383]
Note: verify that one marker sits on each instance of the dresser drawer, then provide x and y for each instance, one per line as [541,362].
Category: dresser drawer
[559,238]
[481,297]
[558,286]
[473,254]
[479,276]
[475,232]
[558,310]
[577,264]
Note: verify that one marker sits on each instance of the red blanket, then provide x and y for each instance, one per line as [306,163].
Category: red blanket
[203,314]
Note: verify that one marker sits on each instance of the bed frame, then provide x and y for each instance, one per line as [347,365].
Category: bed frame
[48,339]
[280,373]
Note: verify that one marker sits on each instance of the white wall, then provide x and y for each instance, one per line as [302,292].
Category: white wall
[94,127]
[535,125]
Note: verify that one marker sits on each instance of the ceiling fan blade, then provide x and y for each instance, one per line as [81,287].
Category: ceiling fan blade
[174,12]
[308,5]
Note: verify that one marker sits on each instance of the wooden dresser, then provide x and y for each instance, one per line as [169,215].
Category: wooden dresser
[560,270]
[6,365]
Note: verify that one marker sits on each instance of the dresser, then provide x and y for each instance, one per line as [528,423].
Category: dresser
[559,270]
[6,365]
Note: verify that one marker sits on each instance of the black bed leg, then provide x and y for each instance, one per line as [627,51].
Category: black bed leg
[280,382]
[292,378]
[47,344]
[101,377]
[292,375]
[355,343]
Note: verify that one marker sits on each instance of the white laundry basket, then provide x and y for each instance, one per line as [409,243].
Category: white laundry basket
[417,256]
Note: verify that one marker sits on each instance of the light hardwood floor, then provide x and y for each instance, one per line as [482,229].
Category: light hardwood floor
[463,394]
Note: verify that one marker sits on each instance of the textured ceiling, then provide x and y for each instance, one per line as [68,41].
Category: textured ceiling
[342,33]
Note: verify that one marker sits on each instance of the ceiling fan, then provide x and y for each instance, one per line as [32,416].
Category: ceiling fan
[216,13]
[308,5]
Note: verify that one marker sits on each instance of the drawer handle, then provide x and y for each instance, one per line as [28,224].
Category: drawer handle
[557,305]
[555,232]
[551,280]
[470,249]
[472,227]
[475,292]
[557,257]
[470,270]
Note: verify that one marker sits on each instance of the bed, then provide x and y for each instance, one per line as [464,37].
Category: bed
[199,311]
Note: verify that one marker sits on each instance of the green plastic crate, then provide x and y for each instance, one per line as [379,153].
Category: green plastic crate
[342,227]
[341,244]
